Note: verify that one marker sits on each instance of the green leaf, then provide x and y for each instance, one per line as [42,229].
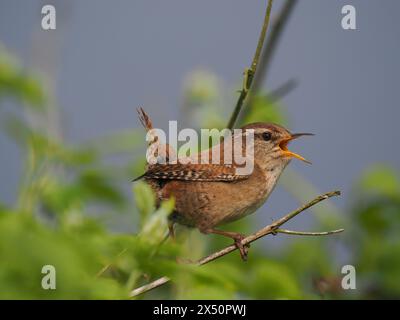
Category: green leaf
[145,200]
[17,83]
[381,180]
[272,280]
[262,110]
[156,225]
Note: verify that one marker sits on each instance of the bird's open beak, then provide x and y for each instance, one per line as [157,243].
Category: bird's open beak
[283,145]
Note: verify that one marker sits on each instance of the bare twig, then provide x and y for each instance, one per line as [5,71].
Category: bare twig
[303,233]
[270,46]
[250,72]
[155,284]
[273,228]
[270,228]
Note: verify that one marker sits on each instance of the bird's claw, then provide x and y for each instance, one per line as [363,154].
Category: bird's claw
[243,248]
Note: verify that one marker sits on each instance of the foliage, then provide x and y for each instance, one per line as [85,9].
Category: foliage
[70,193]
[14,82]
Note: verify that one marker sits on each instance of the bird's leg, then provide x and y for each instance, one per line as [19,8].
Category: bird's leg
[237,237]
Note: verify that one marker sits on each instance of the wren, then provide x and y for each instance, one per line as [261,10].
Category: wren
[211,195]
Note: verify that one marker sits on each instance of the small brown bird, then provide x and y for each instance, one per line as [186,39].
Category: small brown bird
[210,195]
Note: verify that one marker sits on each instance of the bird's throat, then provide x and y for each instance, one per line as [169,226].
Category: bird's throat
[272,170]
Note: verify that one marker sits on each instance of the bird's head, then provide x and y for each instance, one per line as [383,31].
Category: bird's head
[271,143]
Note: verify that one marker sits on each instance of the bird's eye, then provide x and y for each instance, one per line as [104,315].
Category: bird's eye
[267,136]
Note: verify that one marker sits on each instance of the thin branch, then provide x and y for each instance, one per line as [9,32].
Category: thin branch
[152,285]
[261,38]
[273,228]
[270,46]
[303,233]
[270,228]
[249,73]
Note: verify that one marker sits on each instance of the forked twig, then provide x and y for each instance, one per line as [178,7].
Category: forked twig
[272,228]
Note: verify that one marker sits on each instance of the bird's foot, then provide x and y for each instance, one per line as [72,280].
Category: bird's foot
[237,237]
[243,248]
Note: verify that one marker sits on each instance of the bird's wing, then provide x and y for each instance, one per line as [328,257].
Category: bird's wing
[193,172]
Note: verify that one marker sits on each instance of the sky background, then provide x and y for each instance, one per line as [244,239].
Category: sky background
[108,57]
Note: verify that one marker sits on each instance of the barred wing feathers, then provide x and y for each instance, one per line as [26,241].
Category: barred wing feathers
[192,172]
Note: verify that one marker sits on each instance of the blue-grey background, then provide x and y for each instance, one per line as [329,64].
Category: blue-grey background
[108,57]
